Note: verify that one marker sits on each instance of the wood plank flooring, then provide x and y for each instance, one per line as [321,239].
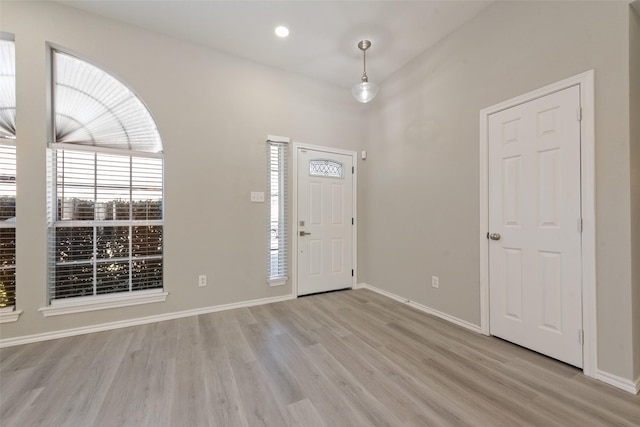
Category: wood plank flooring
[352,358]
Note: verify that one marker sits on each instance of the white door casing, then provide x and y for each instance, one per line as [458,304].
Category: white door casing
[534,211]
[324,220]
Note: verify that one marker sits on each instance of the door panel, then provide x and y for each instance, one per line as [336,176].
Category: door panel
[337,256]
[325,211]
[511,190]
[551,286]
[548,184]
[513,285]
[337,200]
[534,204]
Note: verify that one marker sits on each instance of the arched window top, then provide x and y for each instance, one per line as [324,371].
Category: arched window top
[7,89]
[94,108]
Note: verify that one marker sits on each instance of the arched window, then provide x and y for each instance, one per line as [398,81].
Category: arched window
[106,182]
[7,180]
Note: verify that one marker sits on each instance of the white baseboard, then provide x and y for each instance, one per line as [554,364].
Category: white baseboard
[27,339]
[428,310]
[619,382]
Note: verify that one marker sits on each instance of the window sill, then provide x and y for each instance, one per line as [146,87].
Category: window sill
[103,302]
[278,281]
[9,314]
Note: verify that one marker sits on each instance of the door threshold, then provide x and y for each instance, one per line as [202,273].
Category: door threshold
[325,292]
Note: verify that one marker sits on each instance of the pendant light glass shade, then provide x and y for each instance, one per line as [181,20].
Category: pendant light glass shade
[364,91]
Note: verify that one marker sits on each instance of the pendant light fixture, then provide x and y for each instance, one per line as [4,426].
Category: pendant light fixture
[364,91]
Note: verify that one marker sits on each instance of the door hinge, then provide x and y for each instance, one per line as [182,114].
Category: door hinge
[581,336]
[353,169]
[352,273]
[579,114]
[580,225]
[352,221]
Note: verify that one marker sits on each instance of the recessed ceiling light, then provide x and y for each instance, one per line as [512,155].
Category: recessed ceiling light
[282,31]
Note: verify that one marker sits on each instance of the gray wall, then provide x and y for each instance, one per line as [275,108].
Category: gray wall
[634,112]
[422,170]
[214,112]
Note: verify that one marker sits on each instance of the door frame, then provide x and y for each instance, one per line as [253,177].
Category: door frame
[585,82]
[294,210]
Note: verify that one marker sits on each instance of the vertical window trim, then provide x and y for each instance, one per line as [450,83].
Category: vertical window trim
[281,145]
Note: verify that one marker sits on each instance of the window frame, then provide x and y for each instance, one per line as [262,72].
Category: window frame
[9,313]
[113,298]
[278,150]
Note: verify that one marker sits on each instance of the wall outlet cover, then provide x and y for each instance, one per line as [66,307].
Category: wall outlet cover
[202,280]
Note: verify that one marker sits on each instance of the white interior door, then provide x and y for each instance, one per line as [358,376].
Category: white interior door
[535,225]
[325,217]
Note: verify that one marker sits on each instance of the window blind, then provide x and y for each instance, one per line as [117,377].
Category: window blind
[7,224]
[107,235]
[7,89]
[278,199]
[94,108]
[105,186]
[7,173]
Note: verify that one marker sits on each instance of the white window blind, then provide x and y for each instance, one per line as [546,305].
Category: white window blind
[107,236]
[7,89]
[106,187]
[94,108]
[7,173]
[278,199]
[7,224]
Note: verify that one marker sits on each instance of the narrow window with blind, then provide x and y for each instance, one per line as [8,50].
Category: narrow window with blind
[106,192]
[7,181]
[277,197]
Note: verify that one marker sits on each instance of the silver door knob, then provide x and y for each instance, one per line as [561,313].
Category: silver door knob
[494,236]
[304,233]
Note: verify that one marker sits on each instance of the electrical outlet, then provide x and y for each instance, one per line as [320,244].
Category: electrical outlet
[202,280]
[435,281]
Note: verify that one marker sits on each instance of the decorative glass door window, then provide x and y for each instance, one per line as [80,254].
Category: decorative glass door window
[326,168]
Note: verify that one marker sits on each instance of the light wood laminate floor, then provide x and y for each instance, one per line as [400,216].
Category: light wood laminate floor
[352,358]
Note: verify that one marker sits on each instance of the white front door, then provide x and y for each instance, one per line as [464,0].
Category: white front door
[534,221]
[325,221]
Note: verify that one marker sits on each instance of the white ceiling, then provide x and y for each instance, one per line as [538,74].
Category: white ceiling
[324,34]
